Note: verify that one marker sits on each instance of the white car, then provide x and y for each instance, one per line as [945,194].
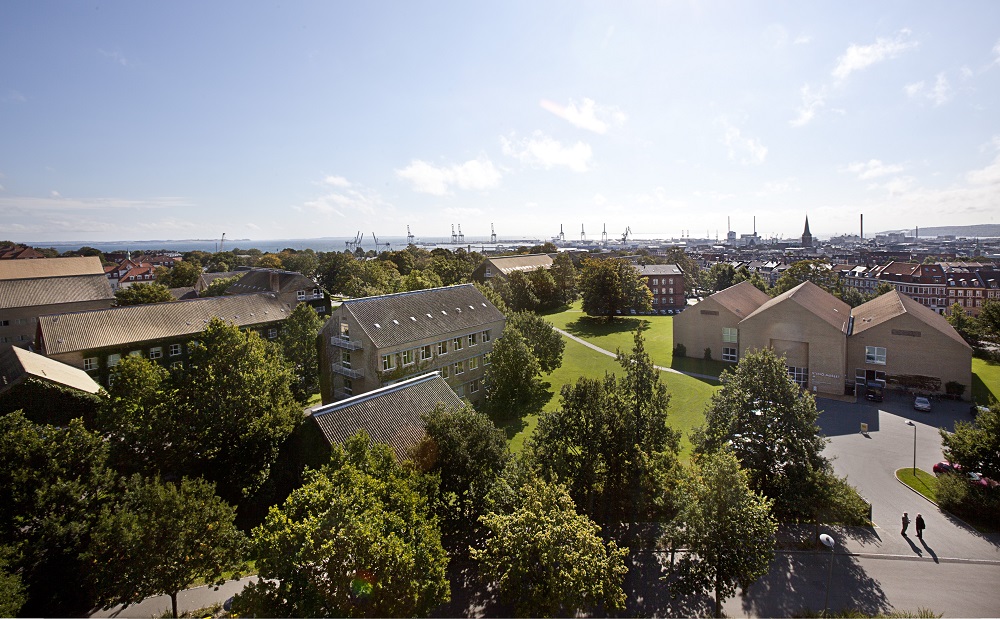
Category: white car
[922,404]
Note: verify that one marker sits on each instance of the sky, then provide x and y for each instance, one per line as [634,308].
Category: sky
[178,120]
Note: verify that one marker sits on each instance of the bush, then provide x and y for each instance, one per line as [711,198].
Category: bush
[954,388]
[976,503]
[952,491]
[708,354]
[680,350]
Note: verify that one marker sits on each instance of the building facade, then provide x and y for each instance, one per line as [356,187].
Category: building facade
[666,282]
[503,266]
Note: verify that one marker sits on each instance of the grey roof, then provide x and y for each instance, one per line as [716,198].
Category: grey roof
[887,306]
[184,292]
[51,267]
[52,290]
[527,262]
[741,299]
[205,279]
[817,301]
[16,364]
[660,269]
[394,319]
[132,324]
[390,415]
[271,280]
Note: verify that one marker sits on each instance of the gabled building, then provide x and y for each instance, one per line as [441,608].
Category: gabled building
[292,288]
[391,415]
[372,342]
[46,390]
[19,252]
[713,324]
[503,266]
[96,341]
[666,282]
[31,288]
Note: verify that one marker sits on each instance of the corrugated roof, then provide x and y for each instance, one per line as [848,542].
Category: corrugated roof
[891,304]
[52,290]
[742,299]
[132,324]
[390,415]
[18,363]
[271,280]
[529,262]
[660,269]
[817,301]
[394,319]
[50,267]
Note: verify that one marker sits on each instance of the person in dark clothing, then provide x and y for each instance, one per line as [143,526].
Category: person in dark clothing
[906,523]
[920,527]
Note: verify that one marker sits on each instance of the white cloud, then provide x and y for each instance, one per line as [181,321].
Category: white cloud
[802,39]
[812,101]
[990,175]
[55,202]
[544,152]
[252,226]
[589,115]
[858,57]
[336,181]
[743,149]
[914,89]
[873,168]
[774,188]
[938,95]
[475,174]
[996,52]
[966,73]
[54,194]
[347,200]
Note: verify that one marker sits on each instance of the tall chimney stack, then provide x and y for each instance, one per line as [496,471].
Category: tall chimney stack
[862,226]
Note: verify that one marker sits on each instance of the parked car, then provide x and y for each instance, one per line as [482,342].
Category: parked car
[974,478]
[922,404]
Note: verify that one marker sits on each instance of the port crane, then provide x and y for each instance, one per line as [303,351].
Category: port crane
[409,235]
[356,243]
[493,234]
[628,231]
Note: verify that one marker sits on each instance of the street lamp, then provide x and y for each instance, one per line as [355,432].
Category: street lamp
[829,543]
[910,423]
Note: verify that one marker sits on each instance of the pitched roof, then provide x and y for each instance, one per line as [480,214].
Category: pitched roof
[16,364]
[816,301]
[660,269]
[390,415]
[50,267]
[742,299]
[887,306]
[394,319]
[529,262]
[271,280]
[131,324]
[52,290]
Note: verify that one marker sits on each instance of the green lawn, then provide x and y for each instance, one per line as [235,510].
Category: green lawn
[689,396]
[985,381]
[924,482]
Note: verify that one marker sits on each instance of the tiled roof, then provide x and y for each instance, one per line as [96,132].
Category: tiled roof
[742,299]
[390,415]
[17,363]
[530,262]
[816,301]
[271,280]
[53,290]
[394,319]
[660,269]
[184,293]
[50,267]
[131,324]
[205,279]
[891,304]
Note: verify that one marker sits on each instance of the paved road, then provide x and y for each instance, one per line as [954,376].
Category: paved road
[190,600]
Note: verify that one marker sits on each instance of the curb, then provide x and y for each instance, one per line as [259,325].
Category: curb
[943,511]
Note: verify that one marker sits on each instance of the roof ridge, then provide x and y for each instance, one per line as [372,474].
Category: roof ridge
[371,395]
[405,292]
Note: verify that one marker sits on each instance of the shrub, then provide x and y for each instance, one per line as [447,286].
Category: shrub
[952,491]
[708,354]
[954,388]
[680,350]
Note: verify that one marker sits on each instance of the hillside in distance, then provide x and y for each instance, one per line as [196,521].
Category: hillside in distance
[974,231]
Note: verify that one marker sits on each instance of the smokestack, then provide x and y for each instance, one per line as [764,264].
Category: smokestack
[755,225]
[862,226]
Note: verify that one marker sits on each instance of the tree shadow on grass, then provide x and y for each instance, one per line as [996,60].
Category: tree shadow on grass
[512,424]
[589,326]
[984,392]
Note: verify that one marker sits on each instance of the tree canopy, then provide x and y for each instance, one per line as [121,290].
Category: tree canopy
[184,273]
[976,445]
[613,286]
[546,343]
[815,271]
[298,341]
[512,374]
[138,294]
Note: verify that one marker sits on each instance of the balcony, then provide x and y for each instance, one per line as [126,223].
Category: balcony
[341,342]
[345,371]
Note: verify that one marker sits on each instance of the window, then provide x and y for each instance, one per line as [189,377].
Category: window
[24,321]
[473,339]
[4,323]
[473,363]
[799,375]
[348,387]
[486,360]
[488,273]
[474,386]
[135,353]
[192,345]
[656,281]
[317,293]
[177,365]
[486,335]
[671,291]
[729,354]
[459,368]
[301,295]
[272,333]
[671,281]
[387,363]
[345,331]
[730,335]
[460,391]
[456,344]
[875,354]
[442,348]
[4,340]
[175,349]
[425,353]
[444,371]
[90,363]
[345,358]
[114,360]
[408,357]
[156,352]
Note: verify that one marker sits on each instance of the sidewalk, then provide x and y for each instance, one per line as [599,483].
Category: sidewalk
[611,354]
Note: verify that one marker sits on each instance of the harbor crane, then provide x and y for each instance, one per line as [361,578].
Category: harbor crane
[454,237]
[388,246]
[461,237]
[409,235]
[604,236]
[493,234]
[356,243]
[583,235]
[628,231]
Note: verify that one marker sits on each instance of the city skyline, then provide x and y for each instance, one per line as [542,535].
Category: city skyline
[310,119]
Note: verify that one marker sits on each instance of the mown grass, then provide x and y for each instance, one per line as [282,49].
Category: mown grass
[923,482]
[985,381]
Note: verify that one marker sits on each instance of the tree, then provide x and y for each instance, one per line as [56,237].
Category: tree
[976,445]
[11,588]
[612,286]
[852,296]
[269,261]
[544,286]
[160,538]
[519,292]
[725,527]
[416,279]
[138,294]
[564,273]
[52,486]
[219,286]
[815,271]
[304,262]
[355,540]
[989,319]
[183,274]
[336,270]
[769,423]
[546,343]
[548,560]
[467,452]
[298,342]
[692,272]
[512,375]
[965,324]
[720,276]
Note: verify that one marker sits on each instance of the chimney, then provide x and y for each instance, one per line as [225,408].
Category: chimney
[273,281]
[862,226]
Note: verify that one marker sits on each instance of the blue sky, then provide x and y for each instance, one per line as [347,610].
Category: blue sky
[143,120]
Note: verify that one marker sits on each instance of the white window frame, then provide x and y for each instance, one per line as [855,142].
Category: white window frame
[156,352]
[456,344]
[442,347]
[300,295]
[272,332]
[175,350]
[114,360]
[408,357]
[388,362]
[875,355]
[90,363]
[486,335]
[472,340]
[426,352]
[459,367]
[473,363]
[730,354]
[345,359]
[176,365]
[730,335]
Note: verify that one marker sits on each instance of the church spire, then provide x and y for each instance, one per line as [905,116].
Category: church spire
[806,231]
[807,237]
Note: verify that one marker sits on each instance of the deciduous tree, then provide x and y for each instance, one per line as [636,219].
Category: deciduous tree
[512,375]
[138,294]
[184,273]
[298,342]
[976,445]
[815,271]
[564,273]
[219,286]
[613,286]
[546,343]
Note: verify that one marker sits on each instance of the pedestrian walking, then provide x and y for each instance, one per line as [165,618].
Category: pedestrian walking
[906,523]
[920,527]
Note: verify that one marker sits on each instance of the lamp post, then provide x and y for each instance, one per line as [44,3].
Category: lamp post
[829,543]
[910,423]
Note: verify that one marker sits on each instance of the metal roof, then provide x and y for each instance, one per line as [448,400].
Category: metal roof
[527,262]
[16,364]
[50,267]
[660,269]
[42,291]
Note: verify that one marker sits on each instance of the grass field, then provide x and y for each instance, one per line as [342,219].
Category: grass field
[985,381]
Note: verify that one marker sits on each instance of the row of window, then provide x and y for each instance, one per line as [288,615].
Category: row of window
[156,352]
[657,291]
[301,294]
[666,280]
[14,338]
[472,387]
[17,321]
[665,300]
[428,351]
